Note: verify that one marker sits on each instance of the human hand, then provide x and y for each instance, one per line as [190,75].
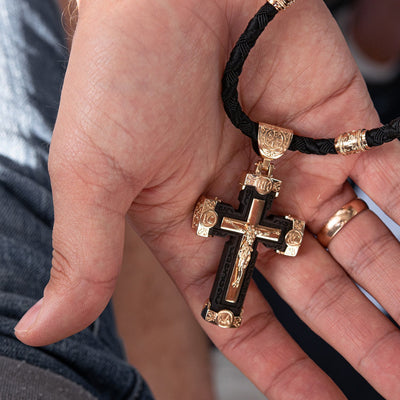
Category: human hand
[141,131]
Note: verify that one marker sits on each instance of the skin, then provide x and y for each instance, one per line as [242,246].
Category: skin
[161,347]
[141,131]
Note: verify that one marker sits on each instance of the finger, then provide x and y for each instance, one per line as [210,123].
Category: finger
[370,254]
[324,297]
[265,352]
[90,202]
[87,241]
[377,175]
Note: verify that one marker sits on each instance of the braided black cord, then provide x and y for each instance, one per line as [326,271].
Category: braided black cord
[230,81]
[313,146]
[233,69]
[384,134]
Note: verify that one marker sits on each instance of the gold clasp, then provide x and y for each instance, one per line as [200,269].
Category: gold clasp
[265,168]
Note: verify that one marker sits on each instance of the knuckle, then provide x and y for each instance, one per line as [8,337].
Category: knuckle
[368,252]
[285,376]
[373,352]
[62,274]
[92,168]
[67,164]
[66,277]
[93,176]
[393,203]
[324,297]
[250,331]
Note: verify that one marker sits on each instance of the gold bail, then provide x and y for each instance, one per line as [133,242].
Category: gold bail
[273,141]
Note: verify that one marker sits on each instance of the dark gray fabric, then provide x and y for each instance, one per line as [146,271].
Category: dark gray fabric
[33,58]
[21,381]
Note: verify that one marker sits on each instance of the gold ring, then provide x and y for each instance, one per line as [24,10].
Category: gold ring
[339,220]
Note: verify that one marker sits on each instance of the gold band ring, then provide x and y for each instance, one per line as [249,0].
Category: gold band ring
[339,220]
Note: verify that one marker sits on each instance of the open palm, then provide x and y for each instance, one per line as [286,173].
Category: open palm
[142,131]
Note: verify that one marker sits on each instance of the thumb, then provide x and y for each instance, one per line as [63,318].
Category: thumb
[88,237]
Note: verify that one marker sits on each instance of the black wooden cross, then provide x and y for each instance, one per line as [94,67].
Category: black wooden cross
[246,227]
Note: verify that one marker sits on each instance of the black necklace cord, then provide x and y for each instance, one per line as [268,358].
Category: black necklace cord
[384,134]
[347,143]
[234,67]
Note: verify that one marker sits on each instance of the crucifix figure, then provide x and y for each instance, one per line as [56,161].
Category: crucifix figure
[250,224]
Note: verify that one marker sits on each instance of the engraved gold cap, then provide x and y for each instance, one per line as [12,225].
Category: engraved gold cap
[205,217]
[294,237]
[223,318]
[281,4]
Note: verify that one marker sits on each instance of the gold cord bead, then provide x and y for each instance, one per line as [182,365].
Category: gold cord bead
[281,4]
[352,142]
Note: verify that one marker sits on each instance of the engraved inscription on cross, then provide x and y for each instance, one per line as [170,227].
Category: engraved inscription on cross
[246,227]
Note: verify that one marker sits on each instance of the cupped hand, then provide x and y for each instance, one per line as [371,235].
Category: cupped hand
[141,131]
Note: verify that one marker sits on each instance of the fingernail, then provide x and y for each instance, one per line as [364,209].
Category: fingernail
[29,318]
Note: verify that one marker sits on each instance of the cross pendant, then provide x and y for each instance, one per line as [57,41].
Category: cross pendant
[246,227]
